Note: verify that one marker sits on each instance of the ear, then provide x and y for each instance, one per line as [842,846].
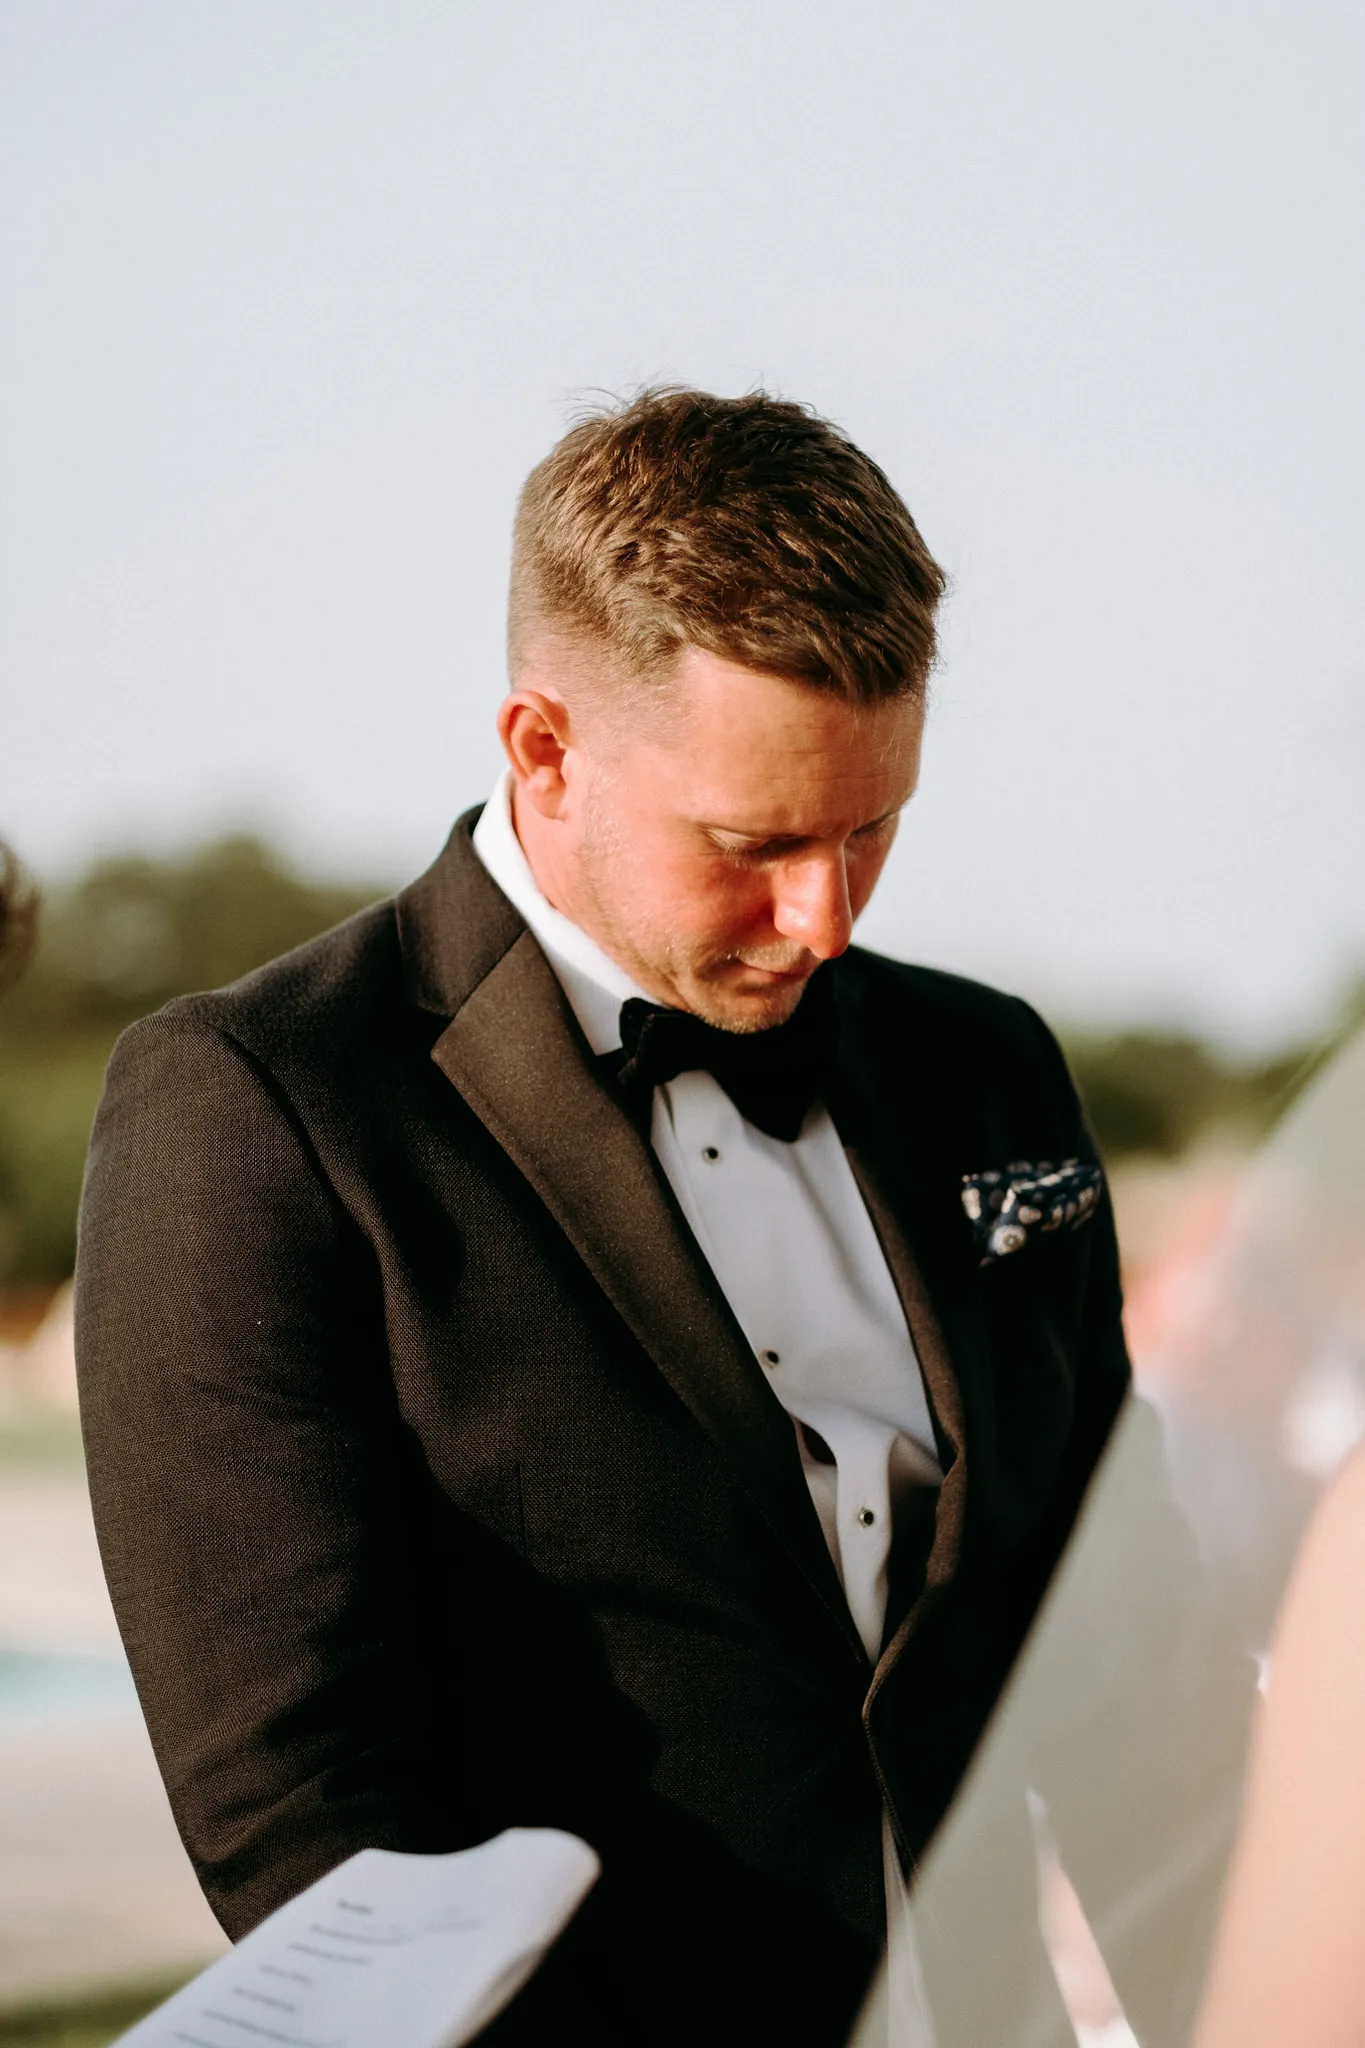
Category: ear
[536,734]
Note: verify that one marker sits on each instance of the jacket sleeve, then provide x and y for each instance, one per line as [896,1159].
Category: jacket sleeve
[243,1456]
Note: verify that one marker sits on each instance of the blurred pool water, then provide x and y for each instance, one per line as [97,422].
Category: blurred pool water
[48,1686]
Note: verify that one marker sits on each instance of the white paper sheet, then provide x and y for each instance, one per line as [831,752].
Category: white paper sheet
[387,1951]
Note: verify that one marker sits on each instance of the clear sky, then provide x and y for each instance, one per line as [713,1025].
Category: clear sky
[297,290]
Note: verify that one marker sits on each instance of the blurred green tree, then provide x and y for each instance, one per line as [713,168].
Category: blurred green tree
[1155,1092]
[133,932]
[122,940]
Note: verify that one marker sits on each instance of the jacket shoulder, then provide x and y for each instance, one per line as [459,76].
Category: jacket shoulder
[937,999]
[335,989]
[984,1039]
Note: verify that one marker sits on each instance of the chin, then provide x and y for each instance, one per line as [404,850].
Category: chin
[746,1009]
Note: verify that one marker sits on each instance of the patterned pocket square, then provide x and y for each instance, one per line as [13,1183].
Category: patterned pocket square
[1012,1206]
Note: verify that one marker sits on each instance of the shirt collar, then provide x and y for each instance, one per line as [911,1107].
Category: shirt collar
[595,986]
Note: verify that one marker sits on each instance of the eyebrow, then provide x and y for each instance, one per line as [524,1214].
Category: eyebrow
[797,838]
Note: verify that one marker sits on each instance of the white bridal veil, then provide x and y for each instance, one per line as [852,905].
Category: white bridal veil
[1115,1761]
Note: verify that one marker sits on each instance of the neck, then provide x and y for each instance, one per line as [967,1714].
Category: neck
[560,882]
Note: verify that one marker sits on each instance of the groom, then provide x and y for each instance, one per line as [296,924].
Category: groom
[579,1345]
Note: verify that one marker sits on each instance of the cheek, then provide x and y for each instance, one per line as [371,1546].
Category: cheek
[738,902]
[711,899]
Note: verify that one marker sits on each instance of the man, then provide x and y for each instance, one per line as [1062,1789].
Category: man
[545,1355]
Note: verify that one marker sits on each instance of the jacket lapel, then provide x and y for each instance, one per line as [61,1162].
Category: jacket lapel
[905,1171]
[514,1052]
[945,1399]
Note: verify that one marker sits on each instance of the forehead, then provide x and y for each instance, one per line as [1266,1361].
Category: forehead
[760,752]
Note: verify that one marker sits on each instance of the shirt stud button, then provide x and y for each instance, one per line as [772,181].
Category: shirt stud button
[865,1518]
[771,1358]
[709,1152]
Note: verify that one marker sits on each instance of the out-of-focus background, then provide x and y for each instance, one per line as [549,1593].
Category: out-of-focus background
[296,296]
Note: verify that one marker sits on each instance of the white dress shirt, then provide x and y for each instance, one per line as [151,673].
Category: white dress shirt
[785,1231]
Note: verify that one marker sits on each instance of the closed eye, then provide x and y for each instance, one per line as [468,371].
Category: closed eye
[740,848]
[756,849]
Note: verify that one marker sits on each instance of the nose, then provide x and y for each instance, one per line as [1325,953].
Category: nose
[811,903]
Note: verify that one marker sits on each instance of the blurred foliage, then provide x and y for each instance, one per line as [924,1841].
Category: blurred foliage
[1155,1092]
[18,917]
[88,2019]
[133,932]
[125,938]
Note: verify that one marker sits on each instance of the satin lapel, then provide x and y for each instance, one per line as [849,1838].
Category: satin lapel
[945,1397]
[905,1172]
[514,1053]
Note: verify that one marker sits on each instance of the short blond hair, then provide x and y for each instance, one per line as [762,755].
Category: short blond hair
[749,528]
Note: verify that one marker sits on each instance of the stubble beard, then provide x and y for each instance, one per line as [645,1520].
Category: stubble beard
[663,967]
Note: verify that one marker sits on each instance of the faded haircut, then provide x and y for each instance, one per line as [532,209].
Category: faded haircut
[749,528]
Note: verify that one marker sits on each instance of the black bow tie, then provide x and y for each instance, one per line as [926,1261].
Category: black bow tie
[772,1077]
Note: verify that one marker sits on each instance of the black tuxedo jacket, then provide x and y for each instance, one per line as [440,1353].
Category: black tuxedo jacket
[439,1491]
